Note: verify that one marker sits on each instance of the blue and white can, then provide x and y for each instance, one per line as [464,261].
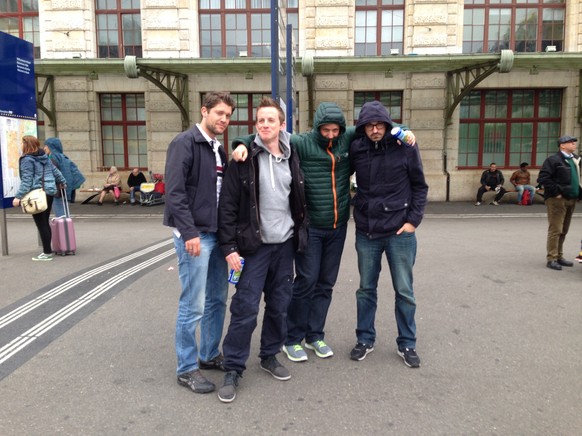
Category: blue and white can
[234,276]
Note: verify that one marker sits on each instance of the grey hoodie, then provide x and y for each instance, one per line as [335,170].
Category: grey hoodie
[276,221]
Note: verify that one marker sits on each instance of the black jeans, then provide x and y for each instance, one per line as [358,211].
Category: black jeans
[268,271]
[42,224]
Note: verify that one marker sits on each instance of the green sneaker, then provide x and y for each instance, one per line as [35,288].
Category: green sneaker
[295,353]
[43,257]
[321,349]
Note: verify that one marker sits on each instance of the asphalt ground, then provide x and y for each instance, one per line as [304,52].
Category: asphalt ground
[499,335]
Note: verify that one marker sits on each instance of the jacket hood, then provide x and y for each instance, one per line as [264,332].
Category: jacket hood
[284,141]
[54,145]
[327,113]
[373,111]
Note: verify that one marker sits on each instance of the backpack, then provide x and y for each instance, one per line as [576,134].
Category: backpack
[525,198]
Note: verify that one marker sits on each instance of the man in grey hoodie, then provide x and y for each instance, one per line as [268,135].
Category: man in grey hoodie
[261,217]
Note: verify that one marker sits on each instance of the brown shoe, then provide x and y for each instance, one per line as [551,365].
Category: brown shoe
[196,381]
[215,363]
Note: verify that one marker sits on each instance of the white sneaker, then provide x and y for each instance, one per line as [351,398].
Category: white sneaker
[478,203]
[495,203]
[43,257]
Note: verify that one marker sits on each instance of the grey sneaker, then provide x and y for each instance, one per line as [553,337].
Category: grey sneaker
[272,366]
[196,381]
[321,349]
[495,203]
[43,257]
[227,393]
[410,357]
[295,353]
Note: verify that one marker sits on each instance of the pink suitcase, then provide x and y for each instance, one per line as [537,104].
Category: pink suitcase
[63,231]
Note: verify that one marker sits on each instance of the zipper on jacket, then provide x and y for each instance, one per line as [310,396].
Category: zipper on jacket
[333,186]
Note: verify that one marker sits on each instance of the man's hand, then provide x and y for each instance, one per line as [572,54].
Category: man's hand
[406,228]
[488,188]
[410,138]
[233,260]
[240,153]
[193,247]
[16,202]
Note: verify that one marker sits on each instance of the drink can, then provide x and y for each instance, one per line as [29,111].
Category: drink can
[233,275]
[398,133]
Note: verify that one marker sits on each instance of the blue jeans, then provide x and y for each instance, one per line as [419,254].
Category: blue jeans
[401,253]
[58,206]
[316,273]
[132,191]
[204,281]
[521,188]
[270,271]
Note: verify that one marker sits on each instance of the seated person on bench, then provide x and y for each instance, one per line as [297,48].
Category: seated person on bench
[112,184]
[521,180]
[134,181]
[491,180]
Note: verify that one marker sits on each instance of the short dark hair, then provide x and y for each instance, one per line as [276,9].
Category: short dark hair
[523,164]
[213,98]
[269,102]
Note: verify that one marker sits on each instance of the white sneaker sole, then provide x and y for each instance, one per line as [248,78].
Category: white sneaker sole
[317,353]
[292,358]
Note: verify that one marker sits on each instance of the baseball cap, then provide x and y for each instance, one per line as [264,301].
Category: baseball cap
[564,139]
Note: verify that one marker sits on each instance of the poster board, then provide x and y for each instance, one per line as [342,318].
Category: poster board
[17,110]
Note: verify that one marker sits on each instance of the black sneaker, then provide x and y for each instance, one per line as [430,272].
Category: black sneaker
[227,393]
[215,363]
[196,381]
[360,351]
[410,357]
[272,366]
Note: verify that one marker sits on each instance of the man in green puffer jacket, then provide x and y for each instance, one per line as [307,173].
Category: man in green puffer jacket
[324,155]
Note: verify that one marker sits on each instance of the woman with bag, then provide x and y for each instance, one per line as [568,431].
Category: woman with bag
[37,171]
[112,184]
[54,148]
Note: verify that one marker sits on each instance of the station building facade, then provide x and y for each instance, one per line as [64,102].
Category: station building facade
[478,81]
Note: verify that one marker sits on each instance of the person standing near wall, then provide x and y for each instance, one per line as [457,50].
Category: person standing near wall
[195,164]
[54,148]
[37,171]
[560,178]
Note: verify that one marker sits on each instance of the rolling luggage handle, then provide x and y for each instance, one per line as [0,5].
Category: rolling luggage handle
[65,202]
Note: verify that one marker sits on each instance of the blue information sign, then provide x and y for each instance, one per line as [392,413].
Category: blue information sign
[17,109]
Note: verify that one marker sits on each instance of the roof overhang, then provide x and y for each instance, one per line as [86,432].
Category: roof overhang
[321,65]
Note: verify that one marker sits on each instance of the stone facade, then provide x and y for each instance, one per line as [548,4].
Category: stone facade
[170,31]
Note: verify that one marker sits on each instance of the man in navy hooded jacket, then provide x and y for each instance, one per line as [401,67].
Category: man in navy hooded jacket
[388,207]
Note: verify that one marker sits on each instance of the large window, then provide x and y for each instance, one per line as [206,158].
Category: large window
[379,27]
[123,131]
[509,127]
[519,25]
[118,28]
[232,28]
[392,101]
[20,18]
[242,122]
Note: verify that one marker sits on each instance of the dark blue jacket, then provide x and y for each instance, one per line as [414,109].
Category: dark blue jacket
[391,189]
[240,208]
[191,203]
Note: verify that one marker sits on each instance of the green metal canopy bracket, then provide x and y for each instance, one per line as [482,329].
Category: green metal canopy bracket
[48,86]
[462,81]
[174,85]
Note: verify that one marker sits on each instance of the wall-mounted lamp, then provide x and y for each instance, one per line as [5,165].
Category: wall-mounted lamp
[388,73]
[249,75]
[533,70]
[93,75]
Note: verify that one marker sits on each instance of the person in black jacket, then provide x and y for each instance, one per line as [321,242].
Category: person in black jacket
[388,207]
[491,180]
[134,181]
[263,218]
[195,164]
[560,177]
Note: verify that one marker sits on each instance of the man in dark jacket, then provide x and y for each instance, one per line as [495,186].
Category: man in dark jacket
[195,164]
[491,180]
[388,207]
[560,177]
[262,217]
